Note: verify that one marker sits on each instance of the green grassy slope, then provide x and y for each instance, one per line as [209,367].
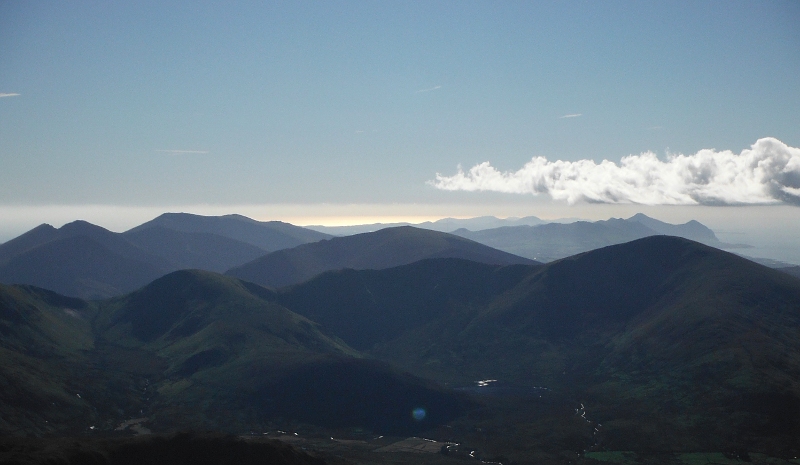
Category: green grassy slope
[43,339]
[247,361]
[193,350]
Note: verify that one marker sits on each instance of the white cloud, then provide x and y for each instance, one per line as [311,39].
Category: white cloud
[767,173]
[428,90]
[9,95]
[571,115]
[183,152]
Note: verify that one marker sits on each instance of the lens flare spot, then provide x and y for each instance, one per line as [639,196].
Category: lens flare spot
[418,414]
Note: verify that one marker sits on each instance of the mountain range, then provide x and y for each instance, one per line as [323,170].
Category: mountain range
[268,236]
[196,350]
[442,225]
[700,342]
[84,260]
[659,345]
[384,248]
[552,241]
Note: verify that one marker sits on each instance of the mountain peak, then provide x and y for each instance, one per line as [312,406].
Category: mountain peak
[80,227]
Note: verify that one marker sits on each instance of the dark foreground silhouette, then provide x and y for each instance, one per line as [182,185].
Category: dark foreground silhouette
[174,449]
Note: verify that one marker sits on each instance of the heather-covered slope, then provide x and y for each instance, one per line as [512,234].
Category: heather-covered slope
[381,249]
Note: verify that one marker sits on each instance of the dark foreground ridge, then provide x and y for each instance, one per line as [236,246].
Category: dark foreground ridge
[173,449]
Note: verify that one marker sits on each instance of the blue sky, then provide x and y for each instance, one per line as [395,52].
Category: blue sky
[314,110]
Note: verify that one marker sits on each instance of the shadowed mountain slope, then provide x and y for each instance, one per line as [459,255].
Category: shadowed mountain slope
[26,241]
[381,249]
[192,250]
[174,449]
[668,343]
[85,261]
[368,307]
[193,350]
[552,241]
[45,234]
[266,235]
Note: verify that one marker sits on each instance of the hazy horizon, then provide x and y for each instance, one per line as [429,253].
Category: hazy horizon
[770,231]
[349,112]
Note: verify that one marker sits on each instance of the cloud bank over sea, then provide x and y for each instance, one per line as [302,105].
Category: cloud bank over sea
[767,173]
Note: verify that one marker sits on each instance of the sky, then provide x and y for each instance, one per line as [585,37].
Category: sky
[350,112]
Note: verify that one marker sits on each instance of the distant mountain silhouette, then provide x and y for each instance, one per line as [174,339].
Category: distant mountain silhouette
[78,259]
[551,241]
[381,249]
[442,225]
[792,270]
[84,260]
[693,230]
[266,235]
[204,251]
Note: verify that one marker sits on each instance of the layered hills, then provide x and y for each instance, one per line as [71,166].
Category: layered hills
[552,241]
[84,260]
[666,342]
[78,259]
[385,248]
[442,225]
[193,350]
[268,236]
[661,344]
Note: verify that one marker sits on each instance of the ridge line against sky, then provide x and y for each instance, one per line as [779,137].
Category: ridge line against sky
[344,110]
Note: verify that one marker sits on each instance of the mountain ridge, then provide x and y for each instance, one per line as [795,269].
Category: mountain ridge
[85,260]
[552,241]
[381,249]
[266,235]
